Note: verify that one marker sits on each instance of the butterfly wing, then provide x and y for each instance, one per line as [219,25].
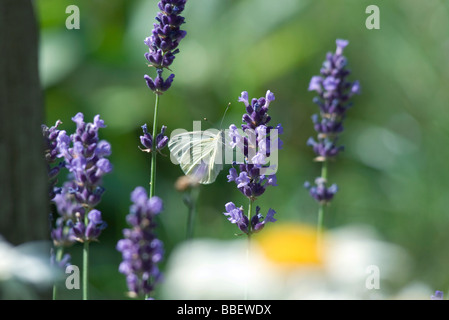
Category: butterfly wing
[199,154]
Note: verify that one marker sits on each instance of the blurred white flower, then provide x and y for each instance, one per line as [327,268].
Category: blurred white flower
[24,269]
[213,269]
[284,263]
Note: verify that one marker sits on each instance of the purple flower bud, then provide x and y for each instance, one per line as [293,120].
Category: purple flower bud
[79,120]
[78,229]
[270,216]
[244,98]
[269,97]
[139,195]
[272,180]
[315,84]
[161,139]
[91,231]
[242,180]
[355,88]
[103,149]
[257,222]
[98,123]
[155,205]
[331,83]
[341,44]
[150,82]
[146,139]
[94,216]
[232,176]
[320,192]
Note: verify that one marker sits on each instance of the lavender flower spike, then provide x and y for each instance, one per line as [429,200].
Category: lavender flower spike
[85,157]
[250,176]
[250,181]
[334,94]
[51,151]
[140,248]
[163,42]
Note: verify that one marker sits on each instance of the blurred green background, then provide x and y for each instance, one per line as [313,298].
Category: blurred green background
[393,175]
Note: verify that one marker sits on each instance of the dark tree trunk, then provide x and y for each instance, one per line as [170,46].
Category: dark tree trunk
[23,178]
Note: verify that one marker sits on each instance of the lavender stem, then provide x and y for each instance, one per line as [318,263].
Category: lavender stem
[85,270]
[153,153]
[59,254]
[250,207]
[248,250]
[321,210]
[86,262]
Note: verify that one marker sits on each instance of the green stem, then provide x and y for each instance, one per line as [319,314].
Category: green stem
[321,209]
[250,210]
[86,261]
[248,249]
[85,270]
[324,169]
[153,151]
[59,253]
[153,155]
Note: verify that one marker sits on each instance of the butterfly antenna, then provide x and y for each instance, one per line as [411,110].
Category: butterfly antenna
[224,114]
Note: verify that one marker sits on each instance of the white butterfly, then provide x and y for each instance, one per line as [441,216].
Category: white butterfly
[200,154]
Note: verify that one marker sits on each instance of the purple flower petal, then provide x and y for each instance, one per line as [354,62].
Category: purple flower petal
[244,98]
[95,216]
[315,84]
[78,119]
[139,195]
[155,205]
[230,206]
[341,44]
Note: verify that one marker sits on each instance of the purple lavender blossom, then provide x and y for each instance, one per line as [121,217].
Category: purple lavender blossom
[334,92]
[236,216]
[249,181]
[70,211]
[254,143]
[163,42]
[50,152]
[250,176]
[320,192]
[140,248]
[147,140]
[438,295]
[61,228]
[325,148]
[85,158]
[61,264]
[258,221]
